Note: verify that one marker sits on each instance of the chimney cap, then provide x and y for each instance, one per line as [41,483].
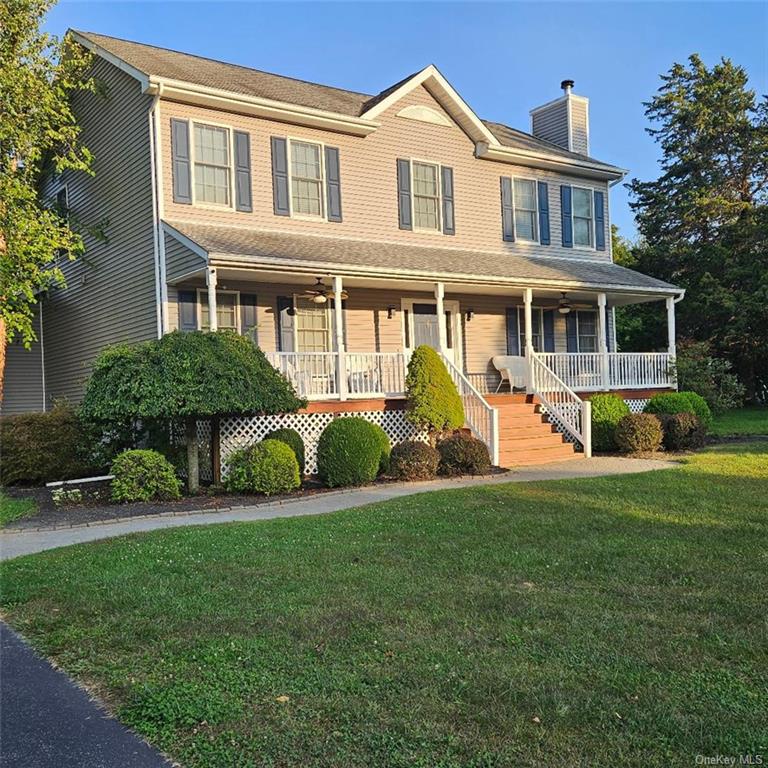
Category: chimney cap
[567,85]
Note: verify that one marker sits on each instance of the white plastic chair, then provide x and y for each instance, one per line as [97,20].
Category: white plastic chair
[511,368]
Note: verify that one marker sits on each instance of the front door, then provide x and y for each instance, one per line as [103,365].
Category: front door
[422,327]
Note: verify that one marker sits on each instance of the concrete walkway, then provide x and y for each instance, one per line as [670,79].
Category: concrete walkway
[15,544]
[46,721]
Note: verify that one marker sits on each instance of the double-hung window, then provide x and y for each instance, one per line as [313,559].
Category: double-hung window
[212,159]
[306,179]
[226,310]
[586,324]
[525,209]
[537,322]
[313,327]
[426,196]
[583,218]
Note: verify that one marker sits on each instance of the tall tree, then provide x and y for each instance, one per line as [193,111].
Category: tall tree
[704,221]
[38,135]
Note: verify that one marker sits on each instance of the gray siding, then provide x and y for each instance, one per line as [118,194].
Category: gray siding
[180,261]
[110,293]
[23,386]
[579,126]
[551,123]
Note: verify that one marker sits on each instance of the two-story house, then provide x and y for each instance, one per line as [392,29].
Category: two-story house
[340,230]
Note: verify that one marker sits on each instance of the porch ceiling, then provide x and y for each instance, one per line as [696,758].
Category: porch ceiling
[239,248]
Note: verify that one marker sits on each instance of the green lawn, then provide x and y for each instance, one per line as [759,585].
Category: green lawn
[13,509]
[742,421]
[616,621]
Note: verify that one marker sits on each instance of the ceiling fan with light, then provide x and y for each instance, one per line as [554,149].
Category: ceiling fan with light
[565,305]
[319,293]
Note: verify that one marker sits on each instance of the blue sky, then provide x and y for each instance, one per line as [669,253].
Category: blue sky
[504,58]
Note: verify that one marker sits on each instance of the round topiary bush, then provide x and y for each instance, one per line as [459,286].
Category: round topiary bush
[268,467]
[292,439]
[639,433]
[700,408]
[607,411]
[682,431]
[433,400]
[386,448]
[462,454]
[413,460]
[142,475]
[681,402]
[348,452]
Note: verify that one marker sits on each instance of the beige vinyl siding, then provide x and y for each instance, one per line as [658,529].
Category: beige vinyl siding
[110,293]
[579,126]
[551,123]
[180,261]
[23,382]
[369,181]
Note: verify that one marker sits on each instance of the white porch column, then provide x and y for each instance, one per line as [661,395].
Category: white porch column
[211,280]
[528,312]
[440,310]
[671,346]
[341,359]
[602,346]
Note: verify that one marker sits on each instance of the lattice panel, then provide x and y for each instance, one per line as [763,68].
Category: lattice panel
[241,431]
[636,406]
[204,448]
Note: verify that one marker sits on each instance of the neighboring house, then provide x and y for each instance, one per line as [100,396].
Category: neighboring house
[229,195]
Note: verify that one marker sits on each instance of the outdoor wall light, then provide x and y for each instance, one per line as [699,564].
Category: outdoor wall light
[470,314]
[391,311]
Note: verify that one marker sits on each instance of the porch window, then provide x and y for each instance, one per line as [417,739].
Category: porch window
[525,209]
[212,164]
[226,310]
[537,321]
[426,196]
[306,179]
[582,217]
[586,324]
[313,328]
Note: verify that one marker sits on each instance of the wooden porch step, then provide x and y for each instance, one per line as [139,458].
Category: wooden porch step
[540,455]
[523,441]
[542,427]
[504,398]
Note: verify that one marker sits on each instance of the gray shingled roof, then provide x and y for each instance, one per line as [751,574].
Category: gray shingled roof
[258,247]
[173,65]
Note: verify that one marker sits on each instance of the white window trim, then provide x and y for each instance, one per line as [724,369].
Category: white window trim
[323,180]
[230,159]
[421,230]
[299,297]
[591,191]
[201,291]
[521,325]
[578,331]
[537,238]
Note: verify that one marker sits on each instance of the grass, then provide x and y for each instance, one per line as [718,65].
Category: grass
[741,421]
[609,621]
[13,509]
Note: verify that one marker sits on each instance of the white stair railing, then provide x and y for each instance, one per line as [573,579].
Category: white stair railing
[562,404]
[482,418]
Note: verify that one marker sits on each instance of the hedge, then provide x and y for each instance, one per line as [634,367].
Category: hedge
[143,475]
[349,452]
[639,433]
[680,402]
[268,467]
[607,411]
[462,454]
[414,460]
[292,439]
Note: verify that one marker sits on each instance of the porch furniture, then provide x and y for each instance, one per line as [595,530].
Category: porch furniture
[511,368]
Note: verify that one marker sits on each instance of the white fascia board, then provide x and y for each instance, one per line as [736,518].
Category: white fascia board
[137,74]
[446,94]
[190,93]
[570,166]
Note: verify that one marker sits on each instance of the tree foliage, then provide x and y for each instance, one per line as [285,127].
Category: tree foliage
[704,221]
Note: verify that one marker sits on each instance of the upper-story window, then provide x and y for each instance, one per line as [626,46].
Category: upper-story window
[525,209]
[426,195]
[212,160]
[306,178]
[583,217]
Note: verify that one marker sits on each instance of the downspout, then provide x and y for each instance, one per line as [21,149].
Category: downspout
[156,155]
[155,223]
[160,216]
[42,353]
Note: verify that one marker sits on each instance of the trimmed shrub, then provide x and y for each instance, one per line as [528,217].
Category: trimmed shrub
[268,467]
[142,475]
[386,448]
[639,433]
[682,431]
[433,400]
[413,460]
[700,408]
[607,411]
[42,447]
[292,439]
[680,402]
[462,454]
[348,452]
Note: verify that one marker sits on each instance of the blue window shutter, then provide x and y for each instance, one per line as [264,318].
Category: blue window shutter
[449,223]
[599,221]
[507,211]
[543,189]
[248,315]
[404,194]
[609,329]
[187,301]
[565,211]
[548,319]
[182,184]
[513,332]
[280,177]
[333,183]
[571,332]
[285,317]
[243,171]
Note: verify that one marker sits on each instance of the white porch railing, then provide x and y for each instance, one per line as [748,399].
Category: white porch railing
[313,374]
[563,406]
[481,417]
[378,374]
[587,371]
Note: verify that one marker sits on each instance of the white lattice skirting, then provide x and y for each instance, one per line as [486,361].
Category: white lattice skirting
[636,406]
[241,431]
